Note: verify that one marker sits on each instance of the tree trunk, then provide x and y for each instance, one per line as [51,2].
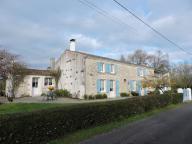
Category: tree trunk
[10,87]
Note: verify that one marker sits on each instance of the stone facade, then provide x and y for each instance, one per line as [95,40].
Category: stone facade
[80,74]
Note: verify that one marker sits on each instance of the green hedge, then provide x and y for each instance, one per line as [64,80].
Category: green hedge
[97,96]
[43,126]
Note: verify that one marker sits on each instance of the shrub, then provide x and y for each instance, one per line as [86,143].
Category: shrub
[104,96]
[45,125]
[43,94]
[155,92]
[101,96]
[134,93]
[91,97]
[62,93]
[85,96]
[124,94]
[2,93]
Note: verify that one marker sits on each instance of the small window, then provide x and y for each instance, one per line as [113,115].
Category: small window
[112,68]
[111,85]
[35,82]
[48,81]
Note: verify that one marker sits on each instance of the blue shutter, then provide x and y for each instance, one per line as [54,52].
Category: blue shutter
[131,82]
[107,68]
[108,86]
[146,72]
[145,91]
[117,88]
[98,86]
[139,87]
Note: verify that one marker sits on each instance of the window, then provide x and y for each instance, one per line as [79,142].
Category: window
[35,82]
[102,88]
[102,67]
[111,85]
[140,71]
[112,68]
[146,72]
[48,81]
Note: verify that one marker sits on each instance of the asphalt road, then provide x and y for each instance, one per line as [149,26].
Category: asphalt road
[170,127]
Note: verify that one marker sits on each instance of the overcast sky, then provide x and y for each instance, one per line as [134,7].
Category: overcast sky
[40,29]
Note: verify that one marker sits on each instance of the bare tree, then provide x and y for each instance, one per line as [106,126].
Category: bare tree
[56,74]
[159,61]
[12,70]
[139,57]
[181,76]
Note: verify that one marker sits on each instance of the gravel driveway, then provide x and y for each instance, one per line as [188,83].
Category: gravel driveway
[171,127]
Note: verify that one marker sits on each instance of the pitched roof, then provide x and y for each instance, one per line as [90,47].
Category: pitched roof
[38,72]
[91,55]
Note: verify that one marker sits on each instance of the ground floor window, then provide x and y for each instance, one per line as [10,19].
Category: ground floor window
[102,84]
[35,82]
[111,85]
[48,81]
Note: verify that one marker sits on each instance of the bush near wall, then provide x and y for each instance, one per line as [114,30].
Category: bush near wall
[97,96]
[62,93]
[45,125]
[134,93]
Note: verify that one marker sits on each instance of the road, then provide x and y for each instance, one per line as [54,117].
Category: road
[170,127]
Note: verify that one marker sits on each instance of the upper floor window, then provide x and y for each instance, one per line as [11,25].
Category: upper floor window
[146,72]
[139,71]
[48,81]
[101,67]
[112,68]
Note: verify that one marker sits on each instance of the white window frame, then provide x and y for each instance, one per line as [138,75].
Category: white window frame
[111,89]
[102,89]
[112,68]
[142,72]
[35,82]
[103,67]
[49,81]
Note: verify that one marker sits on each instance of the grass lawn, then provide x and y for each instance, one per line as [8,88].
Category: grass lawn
[80,135]
[25,107]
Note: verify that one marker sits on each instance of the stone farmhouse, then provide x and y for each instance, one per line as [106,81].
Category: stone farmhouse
[83,73]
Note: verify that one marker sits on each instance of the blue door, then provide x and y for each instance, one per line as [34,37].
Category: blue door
[117,88]
[139,86]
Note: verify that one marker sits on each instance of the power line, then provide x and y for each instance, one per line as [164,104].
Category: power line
[104,13]
[153,29]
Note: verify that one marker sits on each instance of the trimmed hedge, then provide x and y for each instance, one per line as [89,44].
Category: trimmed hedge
[45,125]
[97,96]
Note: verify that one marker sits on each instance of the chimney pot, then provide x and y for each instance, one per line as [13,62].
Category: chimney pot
[72,45]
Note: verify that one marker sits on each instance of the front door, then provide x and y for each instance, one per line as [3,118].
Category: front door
[35,86]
